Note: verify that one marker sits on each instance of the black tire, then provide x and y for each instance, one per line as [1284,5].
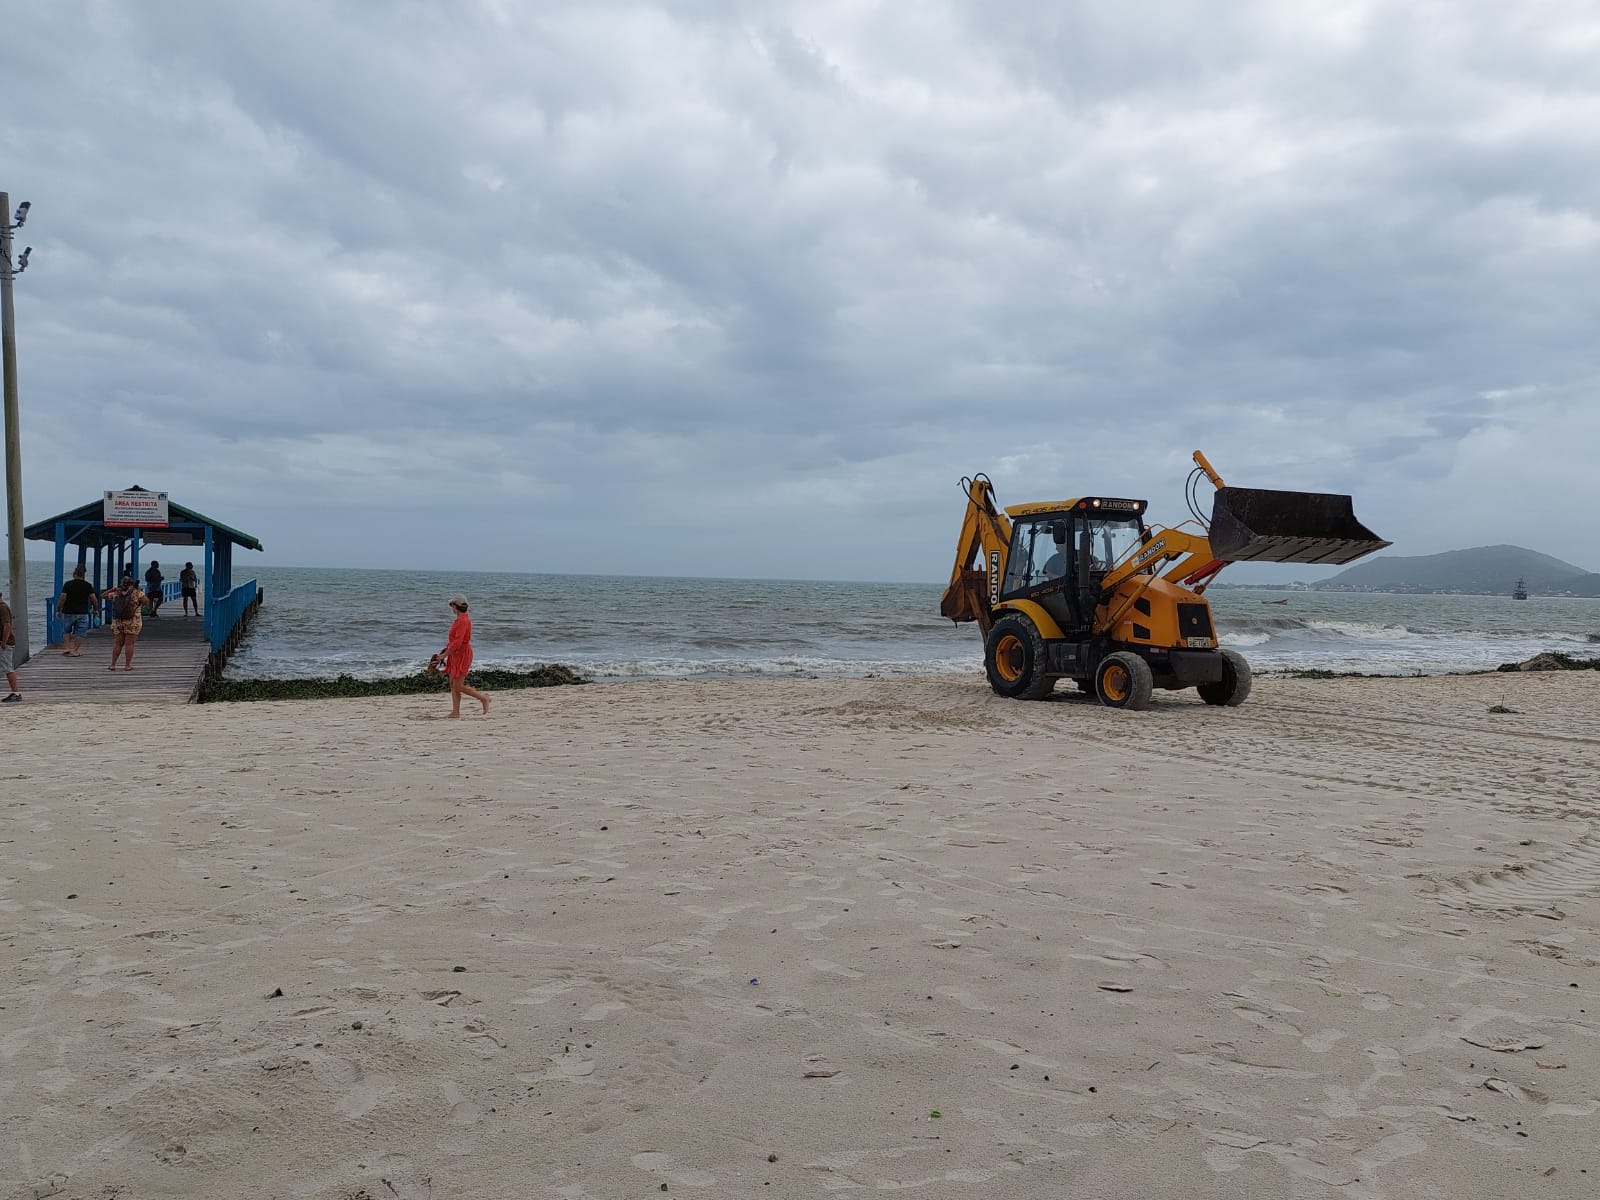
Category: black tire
[1123,680]
[1235,685]
[1014,659]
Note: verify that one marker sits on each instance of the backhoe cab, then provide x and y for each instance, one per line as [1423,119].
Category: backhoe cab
[1085,590]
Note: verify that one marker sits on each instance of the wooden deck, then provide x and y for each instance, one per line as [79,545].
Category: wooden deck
[167,665]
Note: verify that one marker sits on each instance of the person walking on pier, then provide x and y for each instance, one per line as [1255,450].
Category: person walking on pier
[75,607]
[190,583]
[152,587]
[456,657]
[8,639]
[126,620]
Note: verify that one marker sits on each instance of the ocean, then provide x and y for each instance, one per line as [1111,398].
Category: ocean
[375,623]
[323,621]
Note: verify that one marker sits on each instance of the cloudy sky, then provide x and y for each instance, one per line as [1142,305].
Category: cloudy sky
[717,288]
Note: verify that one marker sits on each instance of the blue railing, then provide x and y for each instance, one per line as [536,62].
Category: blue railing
[54,626]
[171,592]
[223,613]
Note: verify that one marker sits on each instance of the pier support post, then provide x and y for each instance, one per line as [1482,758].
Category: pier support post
[209,592]
[51,630]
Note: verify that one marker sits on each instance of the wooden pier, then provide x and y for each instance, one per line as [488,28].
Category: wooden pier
[175,655]
[169,662]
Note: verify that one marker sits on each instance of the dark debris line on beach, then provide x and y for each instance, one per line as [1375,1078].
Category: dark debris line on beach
[1553,660]
[1548,661]
[347,686]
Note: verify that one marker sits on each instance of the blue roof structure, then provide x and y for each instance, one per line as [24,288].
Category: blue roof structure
[185,527]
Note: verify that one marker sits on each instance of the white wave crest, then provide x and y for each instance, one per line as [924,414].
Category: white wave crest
[757,668]
[1244,639]
[1361,629]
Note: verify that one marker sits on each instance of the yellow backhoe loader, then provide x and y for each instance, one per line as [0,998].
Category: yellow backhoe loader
[1085,590]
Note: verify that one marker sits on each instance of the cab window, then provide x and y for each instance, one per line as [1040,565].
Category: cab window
[1111,539]
[1035,557]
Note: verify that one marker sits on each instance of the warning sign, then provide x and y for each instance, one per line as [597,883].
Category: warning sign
[136,510]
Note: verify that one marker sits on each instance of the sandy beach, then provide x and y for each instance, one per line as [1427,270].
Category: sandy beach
[799,938]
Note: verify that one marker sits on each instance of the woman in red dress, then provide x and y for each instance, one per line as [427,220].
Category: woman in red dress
[456,657]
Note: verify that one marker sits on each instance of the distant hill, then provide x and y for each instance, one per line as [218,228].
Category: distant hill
[1486,570]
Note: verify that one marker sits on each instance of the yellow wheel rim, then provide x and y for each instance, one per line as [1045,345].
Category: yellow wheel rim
[1116,683]
[1008,658]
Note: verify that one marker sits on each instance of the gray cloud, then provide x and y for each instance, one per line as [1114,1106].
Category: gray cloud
[730,289]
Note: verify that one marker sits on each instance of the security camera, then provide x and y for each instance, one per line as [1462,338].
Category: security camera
[22,213]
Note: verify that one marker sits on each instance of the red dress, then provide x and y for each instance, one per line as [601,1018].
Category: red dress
[458,650]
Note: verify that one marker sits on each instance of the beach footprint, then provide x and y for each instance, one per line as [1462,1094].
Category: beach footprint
[571,1064]
[662,1166]
[368,1092]
[1264,1018]
[462,1110]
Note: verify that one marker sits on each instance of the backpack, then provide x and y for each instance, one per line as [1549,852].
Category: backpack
[123,608]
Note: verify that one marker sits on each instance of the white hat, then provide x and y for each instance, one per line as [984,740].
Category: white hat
[458,600]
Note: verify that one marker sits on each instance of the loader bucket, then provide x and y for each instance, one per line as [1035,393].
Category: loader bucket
[1257,525]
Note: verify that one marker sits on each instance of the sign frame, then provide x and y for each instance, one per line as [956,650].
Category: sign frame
[136,510]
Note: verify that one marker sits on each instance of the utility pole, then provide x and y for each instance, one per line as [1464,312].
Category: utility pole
[9,270]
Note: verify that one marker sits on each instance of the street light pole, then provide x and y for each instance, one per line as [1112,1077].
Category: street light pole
[9,270]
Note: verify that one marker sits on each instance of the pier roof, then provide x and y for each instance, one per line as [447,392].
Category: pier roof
[185,527]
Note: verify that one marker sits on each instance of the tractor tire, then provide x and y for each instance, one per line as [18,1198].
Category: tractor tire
[1014,659]
[1235,685]
[1123,680]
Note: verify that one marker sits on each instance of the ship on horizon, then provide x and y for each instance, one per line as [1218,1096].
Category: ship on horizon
[1520,592]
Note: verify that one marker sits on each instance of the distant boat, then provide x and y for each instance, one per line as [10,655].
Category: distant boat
[1284,601]
[1520,592]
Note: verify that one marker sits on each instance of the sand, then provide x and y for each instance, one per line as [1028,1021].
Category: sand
[799,938]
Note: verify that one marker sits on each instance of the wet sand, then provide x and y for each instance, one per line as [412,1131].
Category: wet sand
[748,939]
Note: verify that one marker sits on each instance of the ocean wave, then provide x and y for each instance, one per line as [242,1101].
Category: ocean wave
[1259,633]
[1256,632]
[720,642]
[1261,624]
[263,666]
[1243,640]
[797,665]
[1361,629]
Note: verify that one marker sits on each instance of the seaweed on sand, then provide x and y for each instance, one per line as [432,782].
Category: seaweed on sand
[544,675]
[1553,660]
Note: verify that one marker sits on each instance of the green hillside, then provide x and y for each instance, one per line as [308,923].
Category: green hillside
[1489,570]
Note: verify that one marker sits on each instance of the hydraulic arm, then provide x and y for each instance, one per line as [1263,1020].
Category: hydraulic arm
[985,538]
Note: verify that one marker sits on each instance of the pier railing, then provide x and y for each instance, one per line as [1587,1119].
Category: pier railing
[225,614]
[222,616]
[55,627]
